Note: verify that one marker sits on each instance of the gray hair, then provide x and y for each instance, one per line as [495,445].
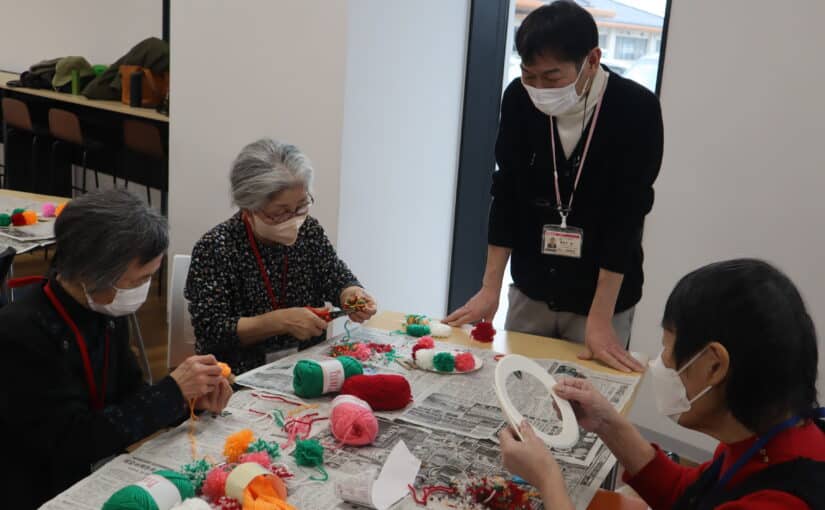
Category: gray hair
[264,169]
[100,233]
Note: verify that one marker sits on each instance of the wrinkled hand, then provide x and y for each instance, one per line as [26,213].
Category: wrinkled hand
[482,306]
[300,323]
[593,411]
[216,400]
[529,459]
[602,343]
[353,294]
[197,376]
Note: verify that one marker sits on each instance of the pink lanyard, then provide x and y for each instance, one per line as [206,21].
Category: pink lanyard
[561,209]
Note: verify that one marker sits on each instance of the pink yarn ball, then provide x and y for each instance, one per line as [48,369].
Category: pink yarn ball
[362,352]
[261,458]
[464,362]
[48,209]
[214,486]
[352,421]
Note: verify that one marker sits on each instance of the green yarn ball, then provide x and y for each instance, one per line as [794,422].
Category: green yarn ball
[133,497]
[19,210]
[418,330]
[444,362]
[5,220]
[308,453]
[271,448]
[308,376]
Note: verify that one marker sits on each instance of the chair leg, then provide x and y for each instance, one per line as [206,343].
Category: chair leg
[133,321]
[97,178]
[53,167]
[83,164]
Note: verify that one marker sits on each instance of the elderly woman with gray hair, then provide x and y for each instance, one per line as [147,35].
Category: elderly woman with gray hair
[253,276]
[75,393]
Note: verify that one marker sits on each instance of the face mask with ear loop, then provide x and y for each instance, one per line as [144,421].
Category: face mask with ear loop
[559,100]
[671,395]
[126,301]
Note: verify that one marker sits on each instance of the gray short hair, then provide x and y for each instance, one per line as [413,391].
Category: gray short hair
[100,233]
[264,169]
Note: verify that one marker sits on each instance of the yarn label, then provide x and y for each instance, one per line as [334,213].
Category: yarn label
[161,490]
[350,399]
[333,375]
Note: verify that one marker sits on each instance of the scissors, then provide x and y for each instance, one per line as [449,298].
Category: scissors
[328,314]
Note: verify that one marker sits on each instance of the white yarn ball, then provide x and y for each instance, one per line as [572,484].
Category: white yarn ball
[439,330]
[193,504]
[424,358]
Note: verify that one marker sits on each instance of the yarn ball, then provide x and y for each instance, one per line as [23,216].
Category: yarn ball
[425,342]
[352,421]
[215,484]
[483,332]
[48,209]
[416,319]
[440,330]
[19,210]
[30,217]
[193,504]
[59,209]
[424,359]
[271,448]
[236,444]
[18,220]
[444,362]
[464,362]
[260,458]
[383,392]
[5,220]
[308,375]
[196,472]
[308,452]
[362,352]
[418,330]
[135,497]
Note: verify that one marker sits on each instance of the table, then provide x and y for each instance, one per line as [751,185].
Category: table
[112,106]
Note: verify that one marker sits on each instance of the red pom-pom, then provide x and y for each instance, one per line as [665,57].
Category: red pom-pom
[425,342]
[18,220]
[483,332]
[464,362]
[383,392]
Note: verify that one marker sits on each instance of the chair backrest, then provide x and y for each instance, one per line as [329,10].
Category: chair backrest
[65,125]
[143,138]
[16,114]
[181,343]
[6,260]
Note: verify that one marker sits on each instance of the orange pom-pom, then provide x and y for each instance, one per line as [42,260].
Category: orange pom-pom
[225,370]
[30,216]
[59,209]
[236,444]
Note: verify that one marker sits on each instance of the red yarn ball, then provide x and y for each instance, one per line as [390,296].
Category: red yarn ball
[483,332]
[18,220]
[464,362]
[425,342]
[383,392]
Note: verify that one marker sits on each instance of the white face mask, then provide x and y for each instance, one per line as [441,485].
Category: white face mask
[671,395]
[285,233]
[556,101]
[126,301]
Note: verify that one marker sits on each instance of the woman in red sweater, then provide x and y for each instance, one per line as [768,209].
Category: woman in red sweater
[739,364]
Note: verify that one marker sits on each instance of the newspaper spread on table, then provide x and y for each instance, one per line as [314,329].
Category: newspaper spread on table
[451,427]
[28,237]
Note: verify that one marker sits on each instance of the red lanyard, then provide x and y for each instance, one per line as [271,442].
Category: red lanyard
[262,268]
[97,398]
[562,211]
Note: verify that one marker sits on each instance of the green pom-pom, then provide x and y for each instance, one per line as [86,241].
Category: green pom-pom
[308,453]
[418,330]
[444,362]
[5,220]
[259,445]
[133,497]
[308,376]
[196,472]
[19,210]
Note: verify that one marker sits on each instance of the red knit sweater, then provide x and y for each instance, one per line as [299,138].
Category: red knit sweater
[662,481]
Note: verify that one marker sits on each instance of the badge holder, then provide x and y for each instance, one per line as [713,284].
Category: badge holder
[561,240]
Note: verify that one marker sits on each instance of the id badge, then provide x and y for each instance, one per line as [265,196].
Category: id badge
[562,241]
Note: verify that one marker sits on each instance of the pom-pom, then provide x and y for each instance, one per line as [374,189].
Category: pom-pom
[30,217]
[418,330]
[308,453]
[444,362]
[236,444]
[362,352]
[424,359]
[227,503]
[226,371]
[18,220]
[271,448]
[196,472]
[440,330]
[260,458]
[214,486]
[425,342]
[48,210]
[483,332]
[383,392]
[308,375]
[18,210]
[352,421]
[5,220]
[59,209]
[464,362]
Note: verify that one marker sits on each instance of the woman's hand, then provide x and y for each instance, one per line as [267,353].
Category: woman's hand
[529,459]
[298,322]
[197,376]
[359,313]
[216,400]
[593,411]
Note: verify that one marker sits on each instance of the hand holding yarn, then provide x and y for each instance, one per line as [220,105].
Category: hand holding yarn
[197,376]
[298,322]
[215,401]
[359,303]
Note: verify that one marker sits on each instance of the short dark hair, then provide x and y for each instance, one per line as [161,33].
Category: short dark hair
[563,29]
[98,234]
[757,314]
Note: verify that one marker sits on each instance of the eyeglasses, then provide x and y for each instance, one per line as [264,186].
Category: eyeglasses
[286,215]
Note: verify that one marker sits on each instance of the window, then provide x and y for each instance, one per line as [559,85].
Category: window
[602,41]
[630,48]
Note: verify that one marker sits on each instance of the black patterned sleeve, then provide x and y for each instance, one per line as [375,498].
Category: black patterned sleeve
[332,274]
[208,289]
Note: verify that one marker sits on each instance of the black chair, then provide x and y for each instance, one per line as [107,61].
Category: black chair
[18,118]
[6,260]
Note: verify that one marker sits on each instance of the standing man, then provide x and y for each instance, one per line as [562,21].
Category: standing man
[578,151]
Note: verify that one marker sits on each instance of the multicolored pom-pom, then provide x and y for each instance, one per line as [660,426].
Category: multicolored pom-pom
[425,342]
[445,361]
[196,472]
[271,448]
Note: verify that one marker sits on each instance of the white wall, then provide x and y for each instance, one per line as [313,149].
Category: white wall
[242,72]
[743,169]
[100,30]
[402,122]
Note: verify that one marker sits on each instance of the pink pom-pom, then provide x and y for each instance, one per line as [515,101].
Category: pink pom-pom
[464,362]
[48,210]
[362,352]
[261,458]
[214,486]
